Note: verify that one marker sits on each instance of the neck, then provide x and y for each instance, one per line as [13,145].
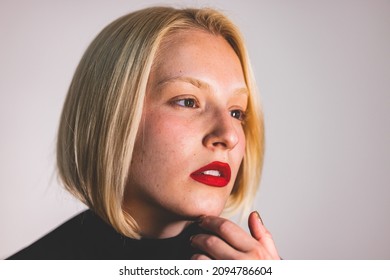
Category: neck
[156,223]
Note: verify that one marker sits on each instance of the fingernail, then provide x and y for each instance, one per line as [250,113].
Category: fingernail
[199,220]
[192,240]
[258,216]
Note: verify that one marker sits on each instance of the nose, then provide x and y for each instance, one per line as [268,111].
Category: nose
[223,132]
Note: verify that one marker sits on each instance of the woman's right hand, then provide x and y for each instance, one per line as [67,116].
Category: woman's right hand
[228,241]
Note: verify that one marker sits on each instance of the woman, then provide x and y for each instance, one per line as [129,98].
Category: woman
[160,133]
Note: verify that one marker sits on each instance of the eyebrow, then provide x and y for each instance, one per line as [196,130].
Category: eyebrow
[197,83]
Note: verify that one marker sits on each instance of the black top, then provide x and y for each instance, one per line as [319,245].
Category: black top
[87,236]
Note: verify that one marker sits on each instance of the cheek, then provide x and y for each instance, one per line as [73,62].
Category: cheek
[167,138]
[240,147]
[239,152]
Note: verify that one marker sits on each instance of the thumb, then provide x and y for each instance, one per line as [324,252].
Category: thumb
[255,224]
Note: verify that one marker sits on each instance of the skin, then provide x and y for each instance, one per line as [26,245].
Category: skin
[193,114]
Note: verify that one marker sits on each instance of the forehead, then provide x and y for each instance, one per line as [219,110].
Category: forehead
[198,54]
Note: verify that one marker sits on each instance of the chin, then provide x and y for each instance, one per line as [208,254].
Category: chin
[205,210]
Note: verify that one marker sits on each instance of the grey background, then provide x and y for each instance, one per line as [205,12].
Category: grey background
[323,68]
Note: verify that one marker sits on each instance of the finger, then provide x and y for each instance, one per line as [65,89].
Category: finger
[214,246]
[228,231]
[261,234]
[256,227]
[200,257]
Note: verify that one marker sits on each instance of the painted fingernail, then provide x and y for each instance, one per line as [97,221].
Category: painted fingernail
[199,220]
[258,216]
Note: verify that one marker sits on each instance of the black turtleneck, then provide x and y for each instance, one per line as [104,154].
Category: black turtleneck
[86,236]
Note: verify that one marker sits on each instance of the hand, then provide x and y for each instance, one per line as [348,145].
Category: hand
[230,242]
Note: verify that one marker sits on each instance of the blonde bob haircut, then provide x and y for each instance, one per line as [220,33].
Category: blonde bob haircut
[103,108]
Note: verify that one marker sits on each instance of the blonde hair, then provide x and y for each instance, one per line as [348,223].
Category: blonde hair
[103,108]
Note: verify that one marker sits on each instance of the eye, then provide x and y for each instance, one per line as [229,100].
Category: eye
[187,102]
[238,114]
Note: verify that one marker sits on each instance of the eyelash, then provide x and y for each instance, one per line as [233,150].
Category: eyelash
[242,116]
[193,103]
[185,101]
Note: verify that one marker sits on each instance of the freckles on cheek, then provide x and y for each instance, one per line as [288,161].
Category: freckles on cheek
[159,136]
[169,128]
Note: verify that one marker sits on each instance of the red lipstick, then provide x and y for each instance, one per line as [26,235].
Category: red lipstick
[215,174]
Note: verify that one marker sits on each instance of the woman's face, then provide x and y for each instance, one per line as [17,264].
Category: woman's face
[190,142]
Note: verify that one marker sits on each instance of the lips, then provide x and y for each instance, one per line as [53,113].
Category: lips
[215,174]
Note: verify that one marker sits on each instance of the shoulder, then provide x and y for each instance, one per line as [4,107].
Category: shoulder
[75,239]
